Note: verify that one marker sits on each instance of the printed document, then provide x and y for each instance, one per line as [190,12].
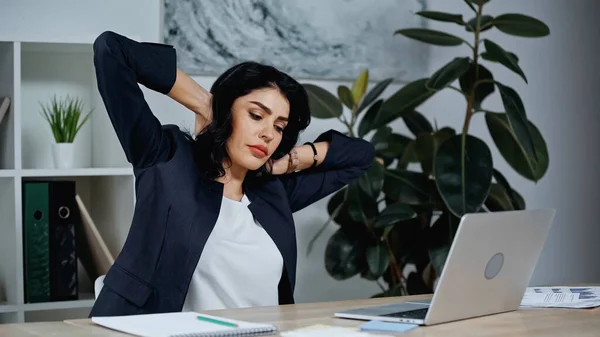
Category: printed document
[561,297]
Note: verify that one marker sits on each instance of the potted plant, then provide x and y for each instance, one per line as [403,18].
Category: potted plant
[63,117]
[396,224]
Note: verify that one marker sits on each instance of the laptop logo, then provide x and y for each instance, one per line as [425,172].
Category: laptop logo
[494,265]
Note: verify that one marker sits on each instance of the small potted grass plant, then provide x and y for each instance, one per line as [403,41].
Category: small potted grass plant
[65,119]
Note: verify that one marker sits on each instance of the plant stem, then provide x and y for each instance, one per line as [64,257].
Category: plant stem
[353,119]
[472,94]
[470,101]
[394,264]
[343,120]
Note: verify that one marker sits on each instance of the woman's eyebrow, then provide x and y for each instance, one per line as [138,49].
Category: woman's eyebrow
[264,107]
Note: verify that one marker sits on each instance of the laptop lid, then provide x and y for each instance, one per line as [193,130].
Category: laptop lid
[490,264]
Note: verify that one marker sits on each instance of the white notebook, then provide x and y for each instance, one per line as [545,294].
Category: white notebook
[180,324]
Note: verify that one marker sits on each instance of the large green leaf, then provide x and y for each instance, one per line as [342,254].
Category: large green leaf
[503,57]
[463,184]
[427,145]
[393,147]
[513,153]
[489,57]
[408,187]
[374,93]
[438,258]
[344,255]
[517,118]
[345,96]
[359,87]
[521,25]
[393,214]
[371,181]
[441,16]
[409,155]
[355,205]
[360,205]
[389,145]
[404,101]
[367,275]
[517,201]
[449,73]
[367,123]
[484,24]
[482,90]
[322,103]
[342,218]
[378,259]
[381,136]
[417,123]
[430,36]
[498,199]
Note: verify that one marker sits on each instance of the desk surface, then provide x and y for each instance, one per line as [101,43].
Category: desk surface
[523,322]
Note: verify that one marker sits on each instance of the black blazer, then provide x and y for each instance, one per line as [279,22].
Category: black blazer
[176,205]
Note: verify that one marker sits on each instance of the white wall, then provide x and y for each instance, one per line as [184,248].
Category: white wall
[559,99]
[77,20]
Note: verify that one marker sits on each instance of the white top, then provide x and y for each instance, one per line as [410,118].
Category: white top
[240,265]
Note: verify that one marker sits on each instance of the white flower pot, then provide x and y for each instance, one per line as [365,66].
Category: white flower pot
[63,155]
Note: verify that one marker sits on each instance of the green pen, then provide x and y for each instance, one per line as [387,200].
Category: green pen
[216,321]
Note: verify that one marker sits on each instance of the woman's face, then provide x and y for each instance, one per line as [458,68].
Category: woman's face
[259,119]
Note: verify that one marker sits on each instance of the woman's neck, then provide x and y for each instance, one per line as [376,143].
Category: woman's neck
[233,181]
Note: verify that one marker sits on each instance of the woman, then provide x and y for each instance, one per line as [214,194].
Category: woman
[213,225]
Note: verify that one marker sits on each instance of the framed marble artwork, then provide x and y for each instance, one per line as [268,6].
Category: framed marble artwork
[309,39]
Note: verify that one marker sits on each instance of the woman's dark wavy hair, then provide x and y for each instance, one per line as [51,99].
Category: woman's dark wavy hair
[209,145]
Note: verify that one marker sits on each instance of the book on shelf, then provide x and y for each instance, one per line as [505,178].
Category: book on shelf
[93,252]
[4,105]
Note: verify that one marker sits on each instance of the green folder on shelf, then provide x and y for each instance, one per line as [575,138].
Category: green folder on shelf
[36,243]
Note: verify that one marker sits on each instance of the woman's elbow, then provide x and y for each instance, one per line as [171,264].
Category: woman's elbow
[106,43]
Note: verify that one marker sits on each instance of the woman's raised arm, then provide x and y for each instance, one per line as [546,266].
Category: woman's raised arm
[341,160]
[121,64]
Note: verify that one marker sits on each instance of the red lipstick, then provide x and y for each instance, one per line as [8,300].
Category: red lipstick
[259,150]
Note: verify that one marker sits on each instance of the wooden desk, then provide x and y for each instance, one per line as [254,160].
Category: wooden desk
[524,322]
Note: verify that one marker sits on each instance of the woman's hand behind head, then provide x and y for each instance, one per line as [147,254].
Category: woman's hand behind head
[194,97]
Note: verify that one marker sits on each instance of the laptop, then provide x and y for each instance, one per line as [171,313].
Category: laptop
[487,271]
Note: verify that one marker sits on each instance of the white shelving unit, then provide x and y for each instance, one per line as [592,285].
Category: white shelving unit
[31,73]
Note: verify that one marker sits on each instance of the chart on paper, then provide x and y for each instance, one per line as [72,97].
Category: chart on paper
[561,297]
